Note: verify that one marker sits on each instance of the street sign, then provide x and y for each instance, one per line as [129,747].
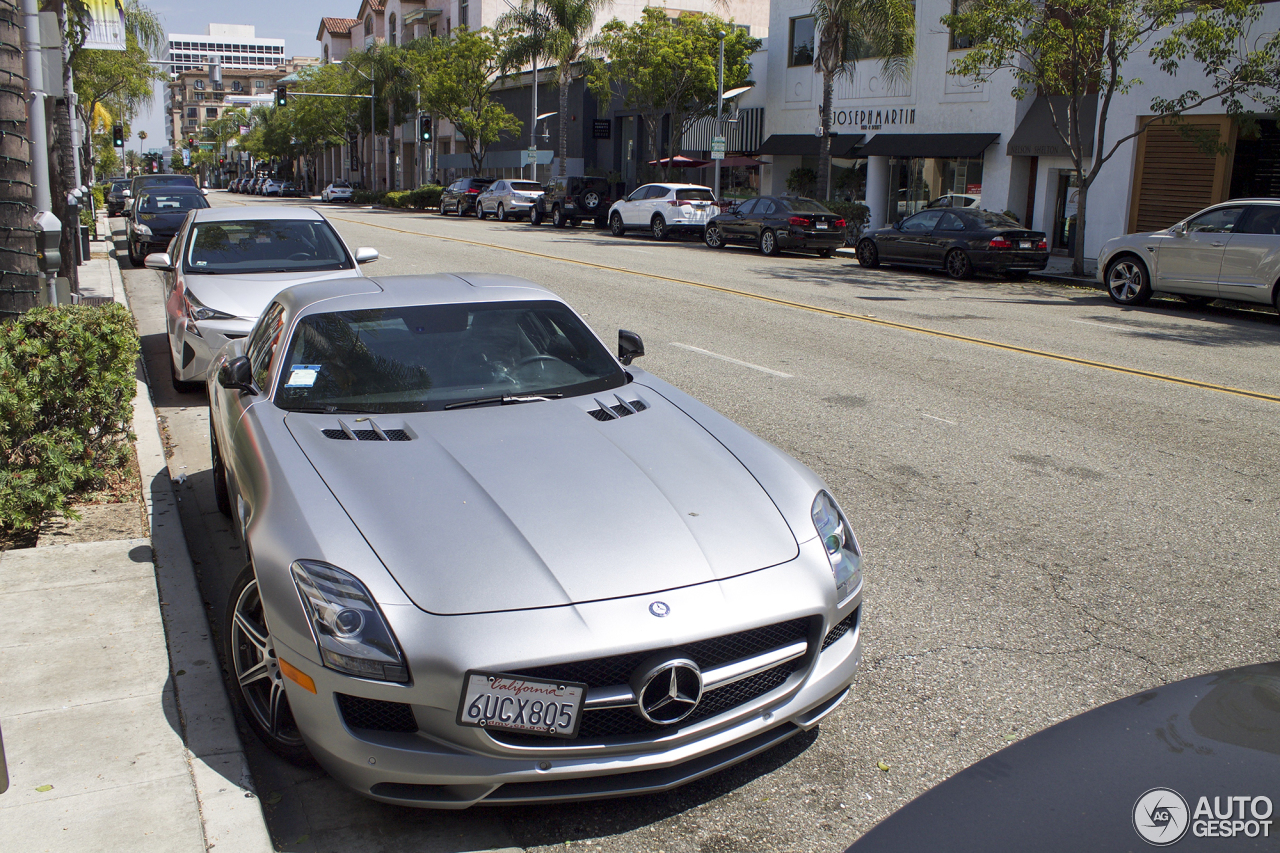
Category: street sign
[530,157]
[717,148]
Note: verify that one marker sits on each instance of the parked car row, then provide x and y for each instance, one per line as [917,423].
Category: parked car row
[265,186]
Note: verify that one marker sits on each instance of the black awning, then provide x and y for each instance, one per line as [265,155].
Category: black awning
[927,144]
[1036,135]
[808,145]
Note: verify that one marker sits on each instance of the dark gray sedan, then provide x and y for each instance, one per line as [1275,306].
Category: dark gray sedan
[777,223]
[958,240]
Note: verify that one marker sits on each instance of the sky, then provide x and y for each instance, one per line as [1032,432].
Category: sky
[295,21]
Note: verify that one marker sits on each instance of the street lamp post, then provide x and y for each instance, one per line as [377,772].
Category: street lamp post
[719,109]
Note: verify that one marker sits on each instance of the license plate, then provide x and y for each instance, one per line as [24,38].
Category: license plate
[1025,244]
[512,703]
[821,226]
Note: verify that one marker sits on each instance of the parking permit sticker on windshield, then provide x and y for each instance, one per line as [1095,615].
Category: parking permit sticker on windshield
[302,375]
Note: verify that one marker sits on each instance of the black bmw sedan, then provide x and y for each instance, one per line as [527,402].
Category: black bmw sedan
[774,223]
[958,240]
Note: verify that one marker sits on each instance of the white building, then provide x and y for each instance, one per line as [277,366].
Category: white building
[235,45]
[901,143]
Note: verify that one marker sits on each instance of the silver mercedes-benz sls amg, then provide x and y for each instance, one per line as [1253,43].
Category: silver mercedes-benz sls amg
[491,562]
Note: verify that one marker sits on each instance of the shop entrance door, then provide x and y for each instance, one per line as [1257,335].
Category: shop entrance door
[1064,220]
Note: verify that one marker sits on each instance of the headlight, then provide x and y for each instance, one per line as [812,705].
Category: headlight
[142,229]
[348,627]
[197,310]
[840,544]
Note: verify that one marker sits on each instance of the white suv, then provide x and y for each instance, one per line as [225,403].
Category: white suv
[663,209]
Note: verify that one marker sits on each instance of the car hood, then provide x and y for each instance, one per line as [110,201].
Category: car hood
[1075,786]
[542,505]
[167,223]
[249,295]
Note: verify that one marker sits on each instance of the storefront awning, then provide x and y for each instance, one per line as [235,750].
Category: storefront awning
[808,145]
[1036,135]
[927,144]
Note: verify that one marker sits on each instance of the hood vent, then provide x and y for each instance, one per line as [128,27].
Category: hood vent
[346,433]
[612,413]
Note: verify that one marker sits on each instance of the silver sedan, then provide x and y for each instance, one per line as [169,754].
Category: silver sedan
[1228,251]
[508,199]
[492,562]
[230,262]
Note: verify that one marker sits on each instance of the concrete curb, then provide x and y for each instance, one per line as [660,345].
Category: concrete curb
[230,810]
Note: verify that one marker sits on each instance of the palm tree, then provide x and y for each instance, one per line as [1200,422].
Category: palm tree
[849,30]
[559,31]
[388,67]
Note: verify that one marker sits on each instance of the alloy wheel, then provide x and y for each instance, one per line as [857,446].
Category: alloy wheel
[502,213]
[713,237]
[257,671]
[659,226]
[1126,281]
[769,243]
[615,225]
[958,265]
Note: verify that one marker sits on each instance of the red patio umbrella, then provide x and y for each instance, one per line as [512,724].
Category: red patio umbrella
[680,161]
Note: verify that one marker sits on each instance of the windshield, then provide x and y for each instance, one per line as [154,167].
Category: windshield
[265,245]
[526,186]
[422,358]
[165,180]
[342,184]
[159,204]
[695,195]
[805,205]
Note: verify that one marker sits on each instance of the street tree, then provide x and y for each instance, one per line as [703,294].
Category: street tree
[848,31]
[659,66]
[1077,49]
[321,121]
[389,66]
[456,75]
[557,30]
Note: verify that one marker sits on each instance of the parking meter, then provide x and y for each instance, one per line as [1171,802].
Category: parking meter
[48,237]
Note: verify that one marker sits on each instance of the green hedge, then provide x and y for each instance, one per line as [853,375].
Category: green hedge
[855,215]
[420,198]
[66,406]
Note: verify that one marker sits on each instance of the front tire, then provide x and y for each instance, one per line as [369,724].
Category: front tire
[958,264]
[480,211]
[558,218]
[221,493]
[179,384]
[257,685]
[616,228]
[535,216]
[769,243]
[1128,282]
[713,237]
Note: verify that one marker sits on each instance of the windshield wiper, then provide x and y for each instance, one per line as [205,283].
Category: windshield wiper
[503,401]
[335,410]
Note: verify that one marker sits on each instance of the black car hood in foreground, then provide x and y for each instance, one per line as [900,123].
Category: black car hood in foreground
[543,505]
[1076,786]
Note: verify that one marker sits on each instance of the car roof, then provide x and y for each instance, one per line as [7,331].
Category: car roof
[236,214]
[679,186]
[359,293]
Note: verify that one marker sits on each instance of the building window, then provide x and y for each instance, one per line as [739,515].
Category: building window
[192,112]
[199,84]
[391,28]
[236,86]
[324,55]
[959,7]
[368,25]
[259,84]
[801,52]
[199,96]
[462,13]
[210,112]
[192,123]
[217,86]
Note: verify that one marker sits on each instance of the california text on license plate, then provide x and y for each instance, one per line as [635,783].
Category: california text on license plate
[492,700]
[1024,244]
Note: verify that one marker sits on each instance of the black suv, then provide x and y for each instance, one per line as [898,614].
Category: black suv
[569,199]
[460,196]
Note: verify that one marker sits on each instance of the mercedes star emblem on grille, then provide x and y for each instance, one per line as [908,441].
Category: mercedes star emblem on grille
[668,690]
[659,609]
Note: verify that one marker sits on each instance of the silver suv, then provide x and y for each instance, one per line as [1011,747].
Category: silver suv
[1228,251]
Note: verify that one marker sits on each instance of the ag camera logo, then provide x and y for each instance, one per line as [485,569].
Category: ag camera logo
[1160,816]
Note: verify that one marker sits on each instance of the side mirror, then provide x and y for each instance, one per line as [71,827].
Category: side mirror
[365,255]
[629,346]
[237,373]
[897,226]
[1179,230]
[158,261]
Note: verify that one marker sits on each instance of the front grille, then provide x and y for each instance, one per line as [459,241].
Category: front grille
[612,671]
[626,723]
[841,628]
[367,434]
[375,714]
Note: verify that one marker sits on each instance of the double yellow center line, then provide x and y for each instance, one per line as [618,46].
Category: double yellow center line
[845,315]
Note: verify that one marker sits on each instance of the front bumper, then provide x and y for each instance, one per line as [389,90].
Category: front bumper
[444,765]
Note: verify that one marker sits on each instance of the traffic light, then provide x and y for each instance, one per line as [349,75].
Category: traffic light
[222,161]
[191,142]
[117,135]
[282,96]
[424,126]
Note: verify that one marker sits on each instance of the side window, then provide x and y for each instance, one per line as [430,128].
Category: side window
[263,342]
[1215,221]
[1263,219]
[922,223]
[656,192]
[950,222]
[748,207]
[765,207]
[639,194]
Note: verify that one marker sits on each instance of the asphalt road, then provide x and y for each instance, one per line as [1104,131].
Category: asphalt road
[1062,502]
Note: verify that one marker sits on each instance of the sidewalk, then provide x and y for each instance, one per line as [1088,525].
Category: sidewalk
[117,729]
[1059,270]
